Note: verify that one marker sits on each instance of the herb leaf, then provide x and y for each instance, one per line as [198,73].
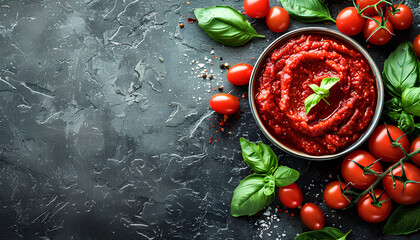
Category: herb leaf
[225,25]
[260,158]
[410,100]
[401,69]
[406,122]
[285,176]
[404,220]
[249,197]
[321,92]
[327,233]
[307,10]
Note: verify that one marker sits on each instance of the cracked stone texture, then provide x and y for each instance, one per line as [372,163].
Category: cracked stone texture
[105,125]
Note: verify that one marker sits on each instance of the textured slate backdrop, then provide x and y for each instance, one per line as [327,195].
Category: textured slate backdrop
[105,125]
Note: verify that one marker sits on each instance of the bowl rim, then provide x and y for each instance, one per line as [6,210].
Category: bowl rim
[343,38]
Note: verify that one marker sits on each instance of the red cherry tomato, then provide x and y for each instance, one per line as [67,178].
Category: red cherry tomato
[349,21]
[381,36]
[411,192]
[371,11]
[333,196]
[291,195]
[371,213]
[380,145]
[353,174]
[277,19]
[312,216]
[239,74]
[224,103]
[403,18]
[256,8]
[413,147]
[416,45]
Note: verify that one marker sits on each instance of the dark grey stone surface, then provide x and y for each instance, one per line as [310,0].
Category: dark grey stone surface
[105,125]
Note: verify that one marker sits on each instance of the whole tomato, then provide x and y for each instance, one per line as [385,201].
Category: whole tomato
[413,147]
[381,36]
[380,145]
[277,19]
[403,18]
[239,74]
[291,195]
[371,11]
[224,103]
[411,193]
[371,213]
[333,196]
[312,216]
[353,174]
[349,21]
[416,45]
[256,8]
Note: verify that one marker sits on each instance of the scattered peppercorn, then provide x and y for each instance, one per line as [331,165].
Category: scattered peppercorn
[211,76]
[221,58]
[191,20]
[181,25]
[226,65]
[220,88]
[204,76]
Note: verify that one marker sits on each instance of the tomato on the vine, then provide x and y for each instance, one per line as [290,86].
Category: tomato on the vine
[349,21]
[291,195]
[334,197]
[224,103]
[371,213]
[371,11]
[403,18]
[413,147]
[380,36]
[256,8]
[312,216]
[277,19]
[380,145]
[239,74]
[416,45]
[411,193]
[353,174]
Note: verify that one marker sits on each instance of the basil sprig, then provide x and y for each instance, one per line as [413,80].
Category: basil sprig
[404,220]
[410,100]
[307,10]
[256,191]
[225,25]
[327,233]
[321,92]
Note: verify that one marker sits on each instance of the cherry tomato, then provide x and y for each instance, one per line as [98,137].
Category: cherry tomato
[416,45]
[256,8]
[403,18]
[371,213]
[381,36]
[312,216]
[224,103]
[349,21]
[380,145]
[353,174]
[413,147]
[277,19]
[411,192]
[371,11]
[333,196]
[239,74]
[291,195]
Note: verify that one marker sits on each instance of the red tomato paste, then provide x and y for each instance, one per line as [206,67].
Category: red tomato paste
[283,87]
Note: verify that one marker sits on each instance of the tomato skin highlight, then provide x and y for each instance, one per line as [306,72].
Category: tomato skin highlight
[380,145]
[371,11]
[371,213]
[224,103]
[380,37]
[291,195]
[411,192]
[312,216]
[349,21]
[354,174]
[416,45]
[256,8]
[413,147]
[277,19]
[403,18]
[239,74]
[333,196]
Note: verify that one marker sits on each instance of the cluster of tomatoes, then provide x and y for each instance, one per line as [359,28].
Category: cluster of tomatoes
[277,18]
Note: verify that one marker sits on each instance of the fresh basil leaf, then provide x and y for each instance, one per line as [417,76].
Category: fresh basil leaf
[270,185]
[406,122]
[394,116]
[314,87]
[260,158]
[404,220]
[418,126]
[401,69]
[410,100]
[321,92]
[285,176]
[249,198]
[307,10]
[328,83]
[311,101]
[327,233]
[225,25]
[394,104]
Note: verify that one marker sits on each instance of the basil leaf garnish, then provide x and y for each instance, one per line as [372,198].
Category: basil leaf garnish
[285,176]
[260,158]
[307,10]
[410,100]
[225,25]
[270,185]
[249,197]
[321,92]
[404,220]
[401,69]
[406,122]
[327,233]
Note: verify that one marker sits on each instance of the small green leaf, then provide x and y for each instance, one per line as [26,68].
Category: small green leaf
[406,122]
[410,100]
[404,220]
[327,233]
[270,185]
[321,92]
[261,158]
[307,10]
[285,176]
[328,83]
[311,101]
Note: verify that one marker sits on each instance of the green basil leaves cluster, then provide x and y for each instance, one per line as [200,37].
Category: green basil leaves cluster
[225,25]
[404,220]
[307,10]
[401,77]
[257,190]
[327,233]
[321,92]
